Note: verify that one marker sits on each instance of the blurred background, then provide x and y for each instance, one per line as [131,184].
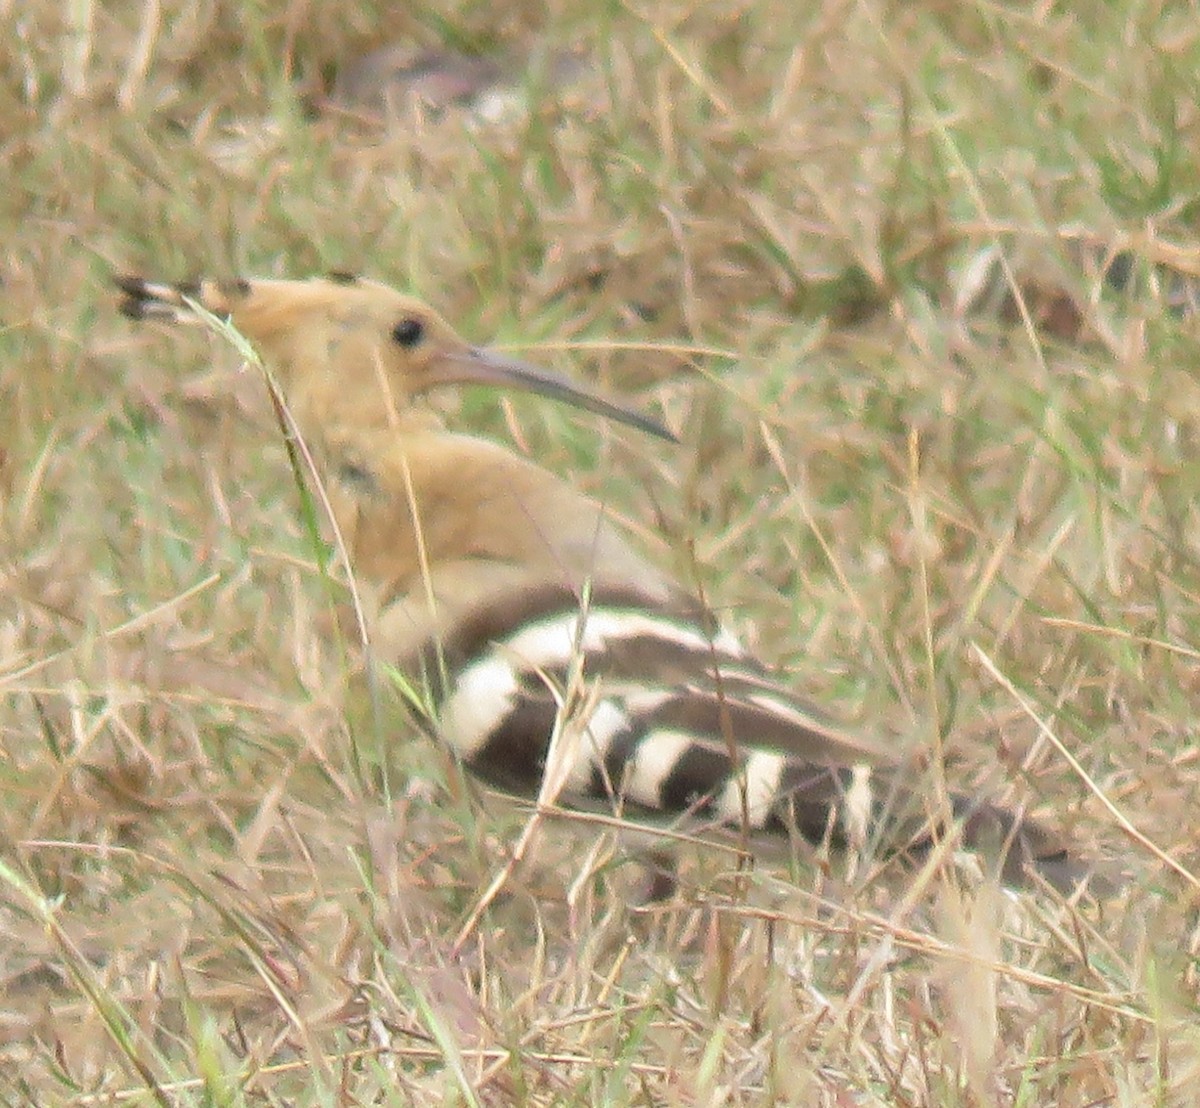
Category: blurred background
[914,283]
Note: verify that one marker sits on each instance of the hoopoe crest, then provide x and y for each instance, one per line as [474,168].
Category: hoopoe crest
[499,582]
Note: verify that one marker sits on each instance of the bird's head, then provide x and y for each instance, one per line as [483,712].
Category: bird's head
[352,351]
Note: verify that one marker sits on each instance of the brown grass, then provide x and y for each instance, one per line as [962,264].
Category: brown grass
[935,464]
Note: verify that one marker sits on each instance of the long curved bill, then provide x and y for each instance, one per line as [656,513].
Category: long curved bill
[483,367]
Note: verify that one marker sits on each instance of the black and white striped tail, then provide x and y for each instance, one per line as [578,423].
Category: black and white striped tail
[682,721]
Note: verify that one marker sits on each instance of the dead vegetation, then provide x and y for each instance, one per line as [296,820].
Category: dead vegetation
[913,281]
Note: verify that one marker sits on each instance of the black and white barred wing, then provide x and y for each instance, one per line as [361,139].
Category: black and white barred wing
[678,719]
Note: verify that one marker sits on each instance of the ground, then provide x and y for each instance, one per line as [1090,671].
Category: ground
[914,285]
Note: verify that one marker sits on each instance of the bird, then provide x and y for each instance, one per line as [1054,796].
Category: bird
[520,605]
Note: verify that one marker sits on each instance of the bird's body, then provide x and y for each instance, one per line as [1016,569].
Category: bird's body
[509,591]
[488,525]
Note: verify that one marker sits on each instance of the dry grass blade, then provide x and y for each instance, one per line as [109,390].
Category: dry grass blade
[1120,819]
[118,1022]
[575,703]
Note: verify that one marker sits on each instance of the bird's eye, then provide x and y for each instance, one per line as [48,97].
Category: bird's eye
[409,331]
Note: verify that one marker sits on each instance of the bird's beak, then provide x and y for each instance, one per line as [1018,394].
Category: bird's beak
[483,367]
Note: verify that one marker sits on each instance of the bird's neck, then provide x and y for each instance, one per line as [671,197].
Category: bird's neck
[444,526]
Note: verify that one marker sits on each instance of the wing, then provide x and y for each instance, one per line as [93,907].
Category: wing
[674,717]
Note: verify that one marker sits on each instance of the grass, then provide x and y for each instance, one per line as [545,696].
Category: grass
[935,464]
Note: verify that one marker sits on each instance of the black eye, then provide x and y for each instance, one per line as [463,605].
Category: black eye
[409,331]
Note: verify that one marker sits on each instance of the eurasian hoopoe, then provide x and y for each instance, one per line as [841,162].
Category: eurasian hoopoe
[500,581]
